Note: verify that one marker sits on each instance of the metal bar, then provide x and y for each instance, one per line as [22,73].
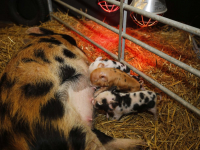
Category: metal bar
[89,17]
[120,30]
[99,46]
[155,51]
[164,89]
[124,31]
[163,55]
[167,91]
[50,8]
[162,19]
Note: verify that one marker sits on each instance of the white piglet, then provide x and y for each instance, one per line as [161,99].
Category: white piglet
[99,63]
[118,104]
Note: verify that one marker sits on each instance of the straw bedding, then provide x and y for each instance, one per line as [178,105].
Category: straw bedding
[177,127]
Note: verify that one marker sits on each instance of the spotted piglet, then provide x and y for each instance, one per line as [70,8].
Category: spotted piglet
[118,104]
[99,63]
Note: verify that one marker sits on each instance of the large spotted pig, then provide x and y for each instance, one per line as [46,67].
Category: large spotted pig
[45,98]
[99,63]
[118,104]
[108,77]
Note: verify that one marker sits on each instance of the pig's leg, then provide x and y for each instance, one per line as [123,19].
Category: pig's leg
[115,144]
[154,111]
[117,115]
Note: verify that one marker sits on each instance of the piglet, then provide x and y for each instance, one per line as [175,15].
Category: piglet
[118,104]
[99,63]
[108,77]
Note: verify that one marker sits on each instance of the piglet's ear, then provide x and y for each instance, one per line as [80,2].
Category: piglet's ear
[98,58]
[110,106]
[113,105]
[100,65]
[37,31]
[25,41]
[103,78]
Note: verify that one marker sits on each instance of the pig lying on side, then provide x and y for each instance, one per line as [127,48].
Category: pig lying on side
[108,77]
[118,104]
[45,98]
[99,63]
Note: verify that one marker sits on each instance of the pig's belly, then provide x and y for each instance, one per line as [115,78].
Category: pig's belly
[83,104]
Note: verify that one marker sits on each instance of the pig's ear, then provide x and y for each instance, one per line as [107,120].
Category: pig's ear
[98,58]
[110,106]
[25,41]
[103,78]
[113,105]
[100,65]
[37,31]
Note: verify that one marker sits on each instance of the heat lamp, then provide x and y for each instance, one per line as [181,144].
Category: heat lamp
[154,6]
[108,7]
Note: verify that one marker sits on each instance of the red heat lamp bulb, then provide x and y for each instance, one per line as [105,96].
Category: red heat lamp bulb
[143,21]
[107,6]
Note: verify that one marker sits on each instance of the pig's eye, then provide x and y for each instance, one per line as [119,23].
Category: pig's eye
[113,99]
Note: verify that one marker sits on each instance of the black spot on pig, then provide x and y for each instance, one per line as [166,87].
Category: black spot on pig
[5,137]
[38,89]
[27,46]
[51,40]
[28,60]
[68,53]
[149,92]
[143,107]
[20,125]
[134,94]
[53,109]
[151,104]
[49,138]
[146,100]
[104,106]
[136,107]
[114,62]
[102,136]
[39,53]
[6,82]
[142,95]
[127,69]
[118,67]
[68,73]
[77,138]
[127,100]
[4,110]
[59,59]
[69,39]
[46,31]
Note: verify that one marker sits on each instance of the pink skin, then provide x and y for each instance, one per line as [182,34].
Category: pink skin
[83,104]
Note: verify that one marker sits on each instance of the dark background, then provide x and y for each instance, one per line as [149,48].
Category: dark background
[185,11]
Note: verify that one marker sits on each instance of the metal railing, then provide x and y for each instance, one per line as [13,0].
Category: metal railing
[123,35]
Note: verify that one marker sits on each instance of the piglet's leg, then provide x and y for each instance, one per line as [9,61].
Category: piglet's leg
[154,111]
[100,91]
